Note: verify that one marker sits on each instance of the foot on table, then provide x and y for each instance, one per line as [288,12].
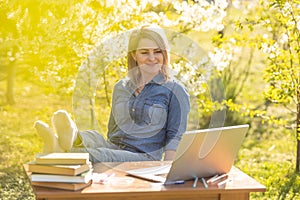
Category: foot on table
[49,138]
[66,129]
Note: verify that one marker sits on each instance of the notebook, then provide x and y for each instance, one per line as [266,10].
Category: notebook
[200,153]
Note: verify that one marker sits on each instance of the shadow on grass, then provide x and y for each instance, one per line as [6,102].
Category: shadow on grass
[14,185]
[290,188]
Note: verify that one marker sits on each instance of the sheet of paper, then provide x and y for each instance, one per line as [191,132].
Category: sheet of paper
[157,170]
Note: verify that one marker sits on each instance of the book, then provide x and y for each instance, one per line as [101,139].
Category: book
[62,158]
[64,186]
[72,170]
[81,178]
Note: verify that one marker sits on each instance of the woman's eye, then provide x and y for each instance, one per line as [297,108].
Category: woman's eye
[149,52]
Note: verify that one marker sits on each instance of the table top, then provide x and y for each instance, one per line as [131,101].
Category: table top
[241,182]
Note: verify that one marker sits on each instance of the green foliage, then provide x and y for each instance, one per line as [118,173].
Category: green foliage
[51,40]
[283,70]
[272,28]
[283,47]
[271,162]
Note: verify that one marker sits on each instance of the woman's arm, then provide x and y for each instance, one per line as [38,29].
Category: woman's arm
[179,107]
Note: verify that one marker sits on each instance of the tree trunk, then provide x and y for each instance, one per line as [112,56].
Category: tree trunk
[298,155]
[10,82]
[298,135]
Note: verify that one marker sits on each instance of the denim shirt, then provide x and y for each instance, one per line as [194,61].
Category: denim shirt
[151,122]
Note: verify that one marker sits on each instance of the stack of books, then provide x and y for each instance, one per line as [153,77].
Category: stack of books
[70,171]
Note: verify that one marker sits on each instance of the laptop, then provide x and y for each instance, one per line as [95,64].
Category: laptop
[200,153]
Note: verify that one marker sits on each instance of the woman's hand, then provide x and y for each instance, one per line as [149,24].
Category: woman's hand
[169,155]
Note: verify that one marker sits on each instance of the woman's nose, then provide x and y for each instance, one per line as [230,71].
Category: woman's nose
[151,56]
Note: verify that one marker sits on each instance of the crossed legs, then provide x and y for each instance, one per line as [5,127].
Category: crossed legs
[66,132]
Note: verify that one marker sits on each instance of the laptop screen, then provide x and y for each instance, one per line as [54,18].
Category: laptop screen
[207,152]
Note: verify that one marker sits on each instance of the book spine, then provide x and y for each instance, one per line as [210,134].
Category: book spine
[83,178]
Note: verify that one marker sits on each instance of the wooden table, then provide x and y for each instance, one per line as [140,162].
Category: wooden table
[238,189]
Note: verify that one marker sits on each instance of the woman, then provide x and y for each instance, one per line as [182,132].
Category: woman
[149,110]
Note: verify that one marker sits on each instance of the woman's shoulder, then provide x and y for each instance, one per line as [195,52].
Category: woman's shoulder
[180,91]
[121,83]
[174,84]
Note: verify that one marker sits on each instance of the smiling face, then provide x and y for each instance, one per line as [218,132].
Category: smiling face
[149,57]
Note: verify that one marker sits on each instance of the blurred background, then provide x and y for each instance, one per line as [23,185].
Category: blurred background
[240,58]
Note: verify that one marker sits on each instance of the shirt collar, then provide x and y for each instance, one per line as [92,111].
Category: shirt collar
[158,79]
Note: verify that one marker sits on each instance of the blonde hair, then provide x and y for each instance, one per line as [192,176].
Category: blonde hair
[155,34]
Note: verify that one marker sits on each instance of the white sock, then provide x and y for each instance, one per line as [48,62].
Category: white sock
[66,129]
[49,138]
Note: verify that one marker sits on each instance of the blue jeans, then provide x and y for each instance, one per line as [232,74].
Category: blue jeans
[101,150]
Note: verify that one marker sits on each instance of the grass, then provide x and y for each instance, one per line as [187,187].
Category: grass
[270,160]
[18,140]
[268,153]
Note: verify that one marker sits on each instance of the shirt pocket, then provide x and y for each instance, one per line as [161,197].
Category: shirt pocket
[155,113]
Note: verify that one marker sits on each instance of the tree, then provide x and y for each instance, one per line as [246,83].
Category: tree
[8,50]
[273,28]
[282,47]
[58,38]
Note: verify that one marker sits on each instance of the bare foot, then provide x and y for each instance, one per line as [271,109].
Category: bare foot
[66,129]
